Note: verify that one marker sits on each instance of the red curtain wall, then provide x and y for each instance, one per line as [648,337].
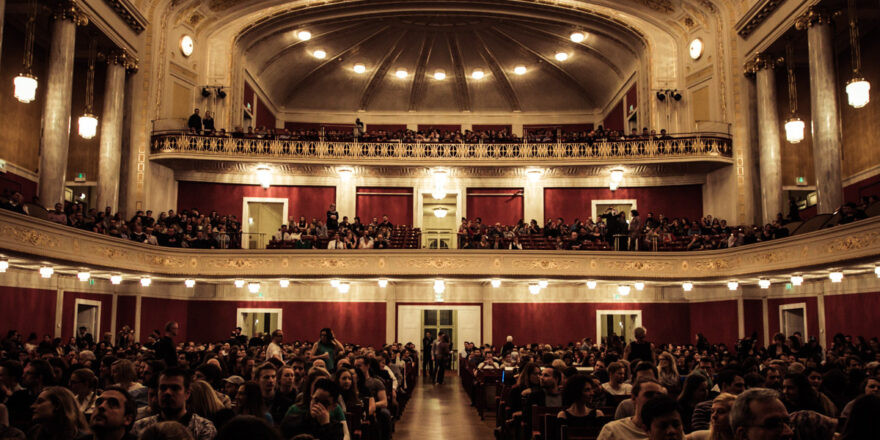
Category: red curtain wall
[495,205]
[440,127]
[614,120]
[249,96]
[69,314]
[671,201]
[11,182]
[27,310]
[265,117]
[226,199]
[812,314]
[716,320]
[753,317]
[155,312]
[853,314]
[396,203]
[868,187]
[125,311]
[632,98]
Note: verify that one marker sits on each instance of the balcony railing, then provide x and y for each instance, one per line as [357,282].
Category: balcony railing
[692,146]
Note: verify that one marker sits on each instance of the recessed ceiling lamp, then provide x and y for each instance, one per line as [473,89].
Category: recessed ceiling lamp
[146,281]
[534,288]
[239,284]
[439,286]
[264,176]
[477,74]
[343,287]
[858,90]
[732,285]
[440,212]
[561,56]
[496,283]
[284,283]
[46,272]
[401,73]
[334,283]
[304,35]
[534,173]
[190,283]
[4,264]
[83,276]
[577,36]
[520,70]
[440,74]
[797,280]
[319,54]
[115,279]
[543,284]
[383,283]
[345,173]
[794,126]
[591,284]
[876,270]
[623,290]
[687,286]
[836,277]
[764,284]
[254,287]
[639,286]
[360,68]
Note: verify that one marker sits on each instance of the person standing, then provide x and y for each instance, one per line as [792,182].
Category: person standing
[327,348]
[195,122]
[332,218]
[443,350]
[427,354]
[165,348]
[274,348]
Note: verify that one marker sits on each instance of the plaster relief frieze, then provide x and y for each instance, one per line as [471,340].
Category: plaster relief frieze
[854,242]
[640,266]
[715,264]
[556,264]
[439,263]
[163,261]
[110,253]
[238,263]
[29,236]
[334,263]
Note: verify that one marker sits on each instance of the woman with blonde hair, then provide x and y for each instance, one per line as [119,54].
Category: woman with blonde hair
[667,372]
[720,428]
[203,401]
[125,376]
[57,416]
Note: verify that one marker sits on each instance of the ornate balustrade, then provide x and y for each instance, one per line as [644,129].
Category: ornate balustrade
[38,240]
[690,147]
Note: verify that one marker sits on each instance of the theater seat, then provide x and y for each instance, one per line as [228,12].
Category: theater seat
[812,224]
[37,211]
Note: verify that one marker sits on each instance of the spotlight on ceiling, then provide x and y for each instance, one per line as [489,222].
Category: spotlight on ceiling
[440,75]
[477,74]
[520,70]
[401,73]
[220,93]
[561,56]
[661,96]
[116,279]
[577,37]
[676,96]
[190,283]
[360,68]
[205,92]
[304,35]
[319,54]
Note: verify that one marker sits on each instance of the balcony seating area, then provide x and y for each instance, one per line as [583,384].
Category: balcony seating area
[402,237]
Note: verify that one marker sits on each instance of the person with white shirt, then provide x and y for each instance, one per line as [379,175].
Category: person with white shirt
[336,243]
[632,428]
[274,348]
[365,242]
[488,362]
[616,385]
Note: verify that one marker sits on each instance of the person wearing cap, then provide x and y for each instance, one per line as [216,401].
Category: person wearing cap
[231,384]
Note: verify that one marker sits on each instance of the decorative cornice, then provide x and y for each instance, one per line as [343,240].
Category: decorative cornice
[129,14]
[814,16]
[756,16]
[122,58]
[38,240]
[762,61]
[70,10]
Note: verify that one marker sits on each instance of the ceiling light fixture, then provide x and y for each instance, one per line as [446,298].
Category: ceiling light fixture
[797,280]
[239,284]
[254,287]
[764,284]
[858,90]
[189,283]
[534,289]
[264,176]
[146,281]
[477,74]
[617,175]
[639,286]
[401,73]
[623,290]
[383,283]
[876,270]
[577,36]
[319,54]
[438,194]
[732,285]
[26,83]
[4,264]
[591,284]
[496,283]
[83,276]
[345,173]
[46,272]
[440,212]
[543,284]
[360,68]
[794,126]
[284,283]
[561,56]
[88,122]
[520,70]
[334,283]
[440,75]
[534,174]
[343,287]
[836,277]
[687,286]
[439,286]
[304,35]
[115,279]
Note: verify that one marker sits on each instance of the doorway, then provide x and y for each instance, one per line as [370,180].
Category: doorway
[254,322]
[620,205]
[793,319]
[88,315]
[621,323]
[439,231]
[462,323]
[261,219]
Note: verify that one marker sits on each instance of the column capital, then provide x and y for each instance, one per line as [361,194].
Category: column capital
[70,10]
[761,61]
[121,57]
[813,17]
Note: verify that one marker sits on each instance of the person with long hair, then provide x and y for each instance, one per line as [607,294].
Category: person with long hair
[529,379]
[863,421]
[799,395]
[719,429]
[348,392]
[57,416]
[203,401]
[577,395]
[83,384]
[249,402]
[123,373]
[695,390]
[667,372]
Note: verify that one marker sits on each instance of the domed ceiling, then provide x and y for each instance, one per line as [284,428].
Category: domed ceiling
[452,42]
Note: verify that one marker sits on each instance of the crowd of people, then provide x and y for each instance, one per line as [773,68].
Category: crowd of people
[259,387]
[336,233]
[789,389]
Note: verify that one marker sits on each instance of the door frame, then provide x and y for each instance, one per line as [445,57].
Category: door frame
[87,302]
[793,306]
[239,321]
[595,202]
[400,307]
[599,313]
[245,214]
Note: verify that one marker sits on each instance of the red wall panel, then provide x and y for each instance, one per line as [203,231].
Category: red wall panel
[361,323]
[632,98]
[125,311]
[10,183]
[495,205]
[854,314]
[265,117]
[396,203]
[27,310]
[753,319]
[561,323]
[69,312]
[155,312]
[440,127]
[490,127]
[614,120]
[812,314]
[716,320]
[249,96]
[868,187]
[226,199]
[671,201]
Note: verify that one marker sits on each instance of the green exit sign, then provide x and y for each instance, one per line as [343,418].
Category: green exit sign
[80,177]
[800,180]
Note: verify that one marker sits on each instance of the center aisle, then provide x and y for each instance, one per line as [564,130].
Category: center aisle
[441,412]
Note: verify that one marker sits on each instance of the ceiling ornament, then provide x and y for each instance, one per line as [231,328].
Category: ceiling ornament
[664,6]
[756,16]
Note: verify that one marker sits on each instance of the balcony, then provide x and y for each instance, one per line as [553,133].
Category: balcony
[840,247]
[705,147]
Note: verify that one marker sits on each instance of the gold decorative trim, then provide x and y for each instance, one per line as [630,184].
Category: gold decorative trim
[70,10]
[129,14]
[757,15]
[813,17]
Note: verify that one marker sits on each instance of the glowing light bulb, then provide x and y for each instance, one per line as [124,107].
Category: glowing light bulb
[319,54]
[254,287]
[440,75]
[797,280]
[146,281]
[83,276]
[25,88]
[439,286]
[334,283]
[189,283]
[496,283]
[561,56]
[519,70]
[46,272]
[343,287]
[623,290]
[732,285]
[764,284]
[687,286]
[639,286]
[543,284]
[360,68]
[577,37]
[383,283]
[239,284]
[591,285]
[304,35]
[4,264]
[477,74]
[794,130]
[401,73]
[836,277]
[115,279]
[284,283]
[534,289]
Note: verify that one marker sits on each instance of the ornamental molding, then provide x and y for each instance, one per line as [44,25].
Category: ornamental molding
[814,16]
[756,16]
[130,14]
[28,240]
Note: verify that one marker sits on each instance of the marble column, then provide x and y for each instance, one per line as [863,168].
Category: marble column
[56,111]
[110,153]
[824,104]
[769,140]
